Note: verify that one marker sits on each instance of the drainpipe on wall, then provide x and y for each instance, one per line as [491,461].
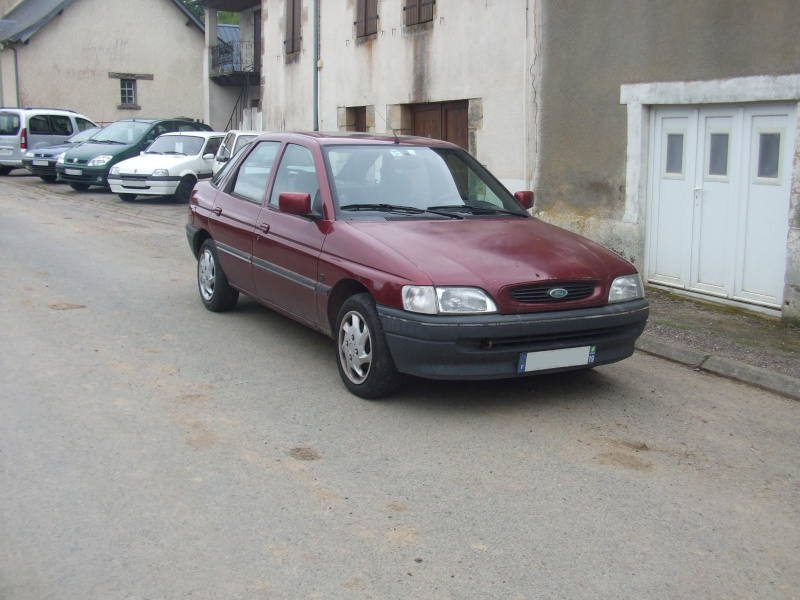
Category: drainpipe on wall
[16,74]
[315,87]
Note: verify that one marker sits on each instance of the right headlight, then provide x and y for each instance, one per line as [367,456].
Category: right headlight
[627,287]
[432,300]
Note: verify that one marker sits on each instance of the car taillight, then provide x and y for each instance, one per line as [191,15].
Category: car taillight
[23,140]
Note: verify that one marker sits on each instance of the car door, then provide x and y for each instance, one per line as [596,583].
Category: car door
[287,247]
[236,210]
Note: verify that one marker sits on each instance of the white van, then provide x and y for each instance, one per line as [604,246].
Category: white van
[234,140]
[23,129]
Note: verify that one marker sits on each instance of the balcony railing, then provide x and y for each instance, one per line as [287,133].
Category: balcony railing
[233,57]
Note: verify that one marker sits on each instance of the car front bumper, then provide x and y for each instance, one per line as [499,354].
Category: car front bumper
[83,174]
[41,169]
[151,186]
[491,346]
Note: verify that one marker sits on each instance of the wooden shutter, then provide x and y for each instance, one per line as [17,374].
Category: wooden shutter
[412,12]
[293,13]
[372,17]
[361,18]
[426,10]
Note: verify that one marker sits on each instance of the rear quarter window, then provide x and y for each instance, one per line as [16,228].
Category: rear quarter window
[9,124]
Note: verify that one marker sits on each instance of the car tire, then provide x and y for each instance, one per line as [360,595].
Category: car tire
[127,197]
[79,187]
[184,189]
[362,353]
[215,292]
[5,170]
[48,178]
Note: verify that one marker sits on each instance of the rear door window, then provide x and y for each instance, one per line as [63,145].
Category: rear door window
[251,180]
[83,124]
[9,123]
[61,125]
[38,124]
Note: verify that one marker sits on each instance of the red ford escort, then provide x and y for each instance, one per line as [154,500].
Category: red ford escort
[412,257]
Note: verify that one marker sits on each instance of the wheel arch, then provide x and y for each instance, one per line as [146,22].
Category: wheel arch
[200,236]
[343,290]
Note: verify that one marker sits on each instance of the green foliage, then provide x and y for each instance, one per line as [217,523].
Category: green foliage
[196,6]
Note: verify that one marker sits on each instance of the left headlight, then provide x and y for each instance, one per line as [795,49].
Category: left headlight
[29,154]
[60,159]
[99,161]
[160,173]
[447,300]
[627,287]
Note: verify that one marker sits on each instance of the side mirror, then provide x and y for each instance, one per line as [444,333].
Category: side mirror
[525,199]
[208,156]
[222,158]
[295,203]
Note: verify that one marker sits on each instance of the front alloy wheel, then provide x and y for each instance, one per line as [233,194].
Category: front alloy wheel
[364,361]
[215,292]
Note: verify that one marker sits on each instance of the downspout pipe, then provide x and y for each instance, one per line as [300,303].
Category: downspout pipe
[16,74]
[315,80]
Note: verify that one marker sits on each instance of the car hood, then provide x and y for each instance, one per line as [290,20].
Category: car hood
[147,163]
[54,150]
[495,254]
[88,150]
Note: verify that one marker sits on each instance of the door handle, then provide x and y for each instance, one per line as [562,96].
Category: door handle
[698,195]
[217,211]
[264,227]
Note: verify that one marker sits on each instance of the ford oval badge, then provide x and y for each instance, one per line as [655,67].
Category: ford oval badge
[558,293]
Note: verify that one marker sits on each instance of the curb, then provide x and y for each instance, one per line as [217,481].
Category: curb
[720,366]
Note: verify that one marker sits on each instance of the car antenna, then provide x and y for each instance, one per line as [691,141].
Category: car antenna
[394,133]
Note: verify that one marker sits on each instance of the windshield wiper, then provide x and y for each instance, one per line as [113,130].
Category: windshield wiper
[171,152]
[411,210]
[479,210]
[106,141]
[151,152]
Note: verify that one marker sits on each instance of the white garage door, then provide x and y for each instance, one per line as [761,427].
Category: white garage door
[718,204]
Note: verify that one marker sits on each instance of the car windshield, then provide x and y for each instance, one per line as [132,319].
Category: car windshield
[122,132]
[418,179]
[84,135]
[176,144]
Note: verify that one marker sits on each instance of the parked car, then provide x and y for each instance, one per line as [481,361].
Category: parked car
[171,165]
[42,161]
[90,163]
[234,141]
[412,257]
[24,129]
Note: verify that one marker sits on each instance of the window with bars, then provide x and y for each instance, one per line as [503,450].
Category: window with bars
[293,12]
[127,92]
[418,11]
[366,17]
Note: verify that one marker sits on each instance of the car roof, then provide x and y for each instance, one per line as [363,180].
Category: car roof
[205,134]
[338,138]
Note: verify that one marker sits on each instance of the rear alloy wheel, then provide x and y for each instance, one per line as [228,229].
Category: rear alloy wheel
[216,293]
[127,197]
[365,363]
[79,187]
[184,189]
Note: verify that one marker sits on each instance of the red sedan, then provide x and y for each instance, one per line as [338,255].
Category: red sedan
[412,257]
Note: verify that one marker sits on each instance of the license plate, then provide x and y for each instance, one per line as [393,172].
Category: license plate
[134,184]
[73,171]
[39,163]
[556,359]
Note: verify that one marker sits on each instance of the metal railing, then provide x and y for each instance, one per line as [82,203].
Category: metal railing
[233,57]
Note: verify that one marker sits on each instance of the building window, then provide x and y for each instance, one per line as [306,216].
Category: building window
[418,11]
[127,92]
[366,17]
[293,13]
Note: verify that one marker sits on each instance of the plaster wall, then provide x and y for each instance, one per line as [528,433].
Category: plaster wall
[477,50]
[67,63]
[590,50]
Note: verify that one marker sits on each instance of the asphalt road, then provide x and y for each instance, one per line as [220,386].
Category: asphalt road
[150,449]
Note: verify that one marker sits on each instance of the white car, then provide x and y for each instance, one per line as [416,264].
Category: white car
[171,165]
[235,139]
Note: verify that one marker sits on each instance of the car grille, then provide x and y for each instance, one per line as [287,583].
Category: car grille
[535,294]
[126,178]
